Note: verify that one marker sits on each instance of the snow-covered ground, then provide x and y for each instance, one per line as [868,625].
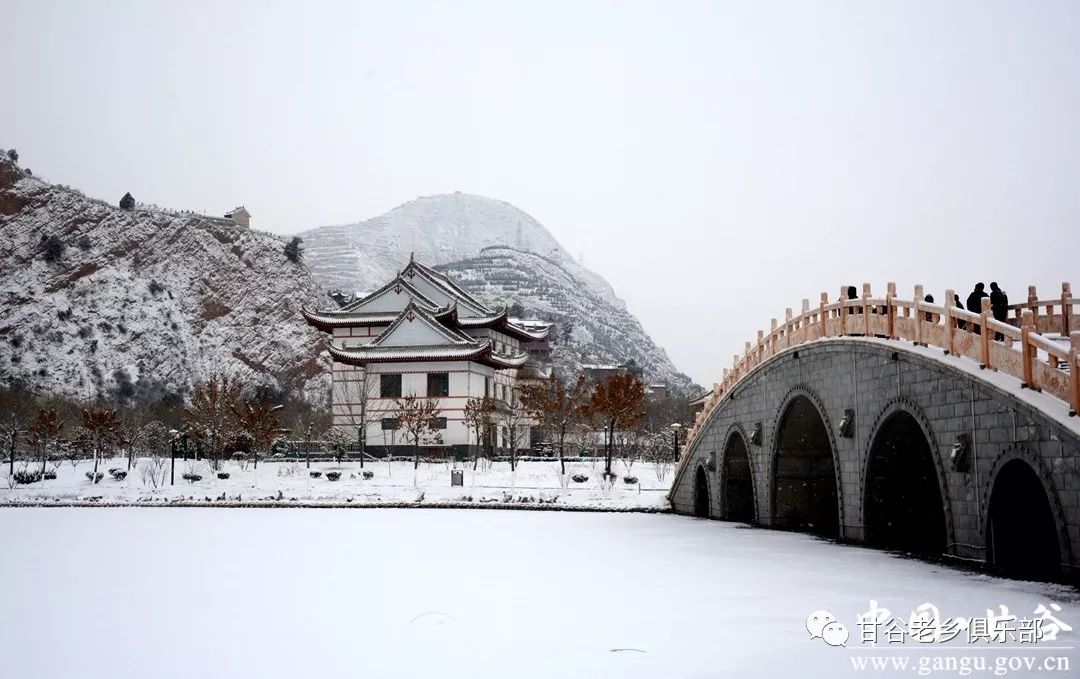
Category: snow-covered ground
[535,484]
[134,593]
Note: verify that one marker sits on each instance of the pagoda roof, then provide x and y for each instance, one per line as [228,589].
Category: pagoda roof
[327,320]
[497,321]
[398,285]
[449,287]
[417,335]
[482,353]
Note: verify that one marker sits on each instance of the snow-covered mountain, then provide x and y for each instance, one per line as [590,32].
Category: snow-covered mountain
[453,230]
[588,327]
[140,304]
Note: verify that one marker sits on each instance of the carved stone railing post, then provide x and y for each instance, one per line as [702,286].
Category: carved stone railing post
[984,316]
[1033,303]
[1074,372]
[843,310]
[1027,351]
[918,314]
[804,322]
[823,326]
[1066,310]
[950,325]
[866,308]
[787,327]
[890,323]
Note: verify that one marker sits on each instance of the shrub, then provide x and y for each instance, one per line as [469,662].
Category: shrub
[24,477]
[315,474]
[629,480]
[52,249]
[368,475]
[294,251]
[84,242]
[50,476]
[223,475]
[156,288]
[118,474]
[13,155]
[579,478]
[64,315]
[94,478]
[278,456]
[333,476]
[127,202]
[191,478]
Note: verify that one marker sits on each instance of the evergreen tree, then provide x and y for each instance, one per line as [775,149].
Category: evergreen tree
[294,251]
[127,202]
[14,155]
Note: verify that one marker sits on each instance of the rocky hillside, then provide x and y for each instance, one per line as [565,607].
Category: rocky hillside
[139,304]
[523,263]
[588,328]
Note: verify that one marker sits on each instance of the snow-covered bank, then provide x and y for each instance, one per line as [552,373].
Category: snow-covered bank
[122,593]
[535,485]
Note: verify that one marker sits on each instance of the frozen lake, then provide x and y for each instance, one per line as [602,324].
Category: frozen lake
[166,592]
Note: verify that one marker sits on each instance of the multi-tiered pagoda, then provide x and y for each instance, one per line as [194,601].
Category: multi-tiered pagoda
[421,334]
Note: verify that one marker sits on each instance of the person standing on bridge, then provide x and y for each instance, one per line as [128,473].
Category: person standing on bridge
[929,299]
[974,302]
[999,306]
[853,293]
[957,303]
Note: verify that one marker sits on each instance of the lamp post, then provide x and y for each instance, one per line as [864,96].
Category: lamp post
[172,454]
[675,427]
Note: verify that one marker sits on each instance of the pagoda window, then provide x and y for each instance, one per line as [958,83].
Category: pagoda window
[389,423]
[390,386]
[438,384]
[437,423]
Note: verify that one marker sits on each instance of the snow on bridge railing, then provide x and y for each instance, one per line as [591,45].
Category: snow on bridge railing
[1024,350]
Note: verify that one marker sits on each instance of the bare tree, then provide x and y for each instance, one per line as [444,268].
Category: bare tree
[16,411]
[558,407]
[478,412]
[258,419]
[357,396]
[100,431]
[43,432]
[415,417]
[617,403]
[515,422]
[210,415]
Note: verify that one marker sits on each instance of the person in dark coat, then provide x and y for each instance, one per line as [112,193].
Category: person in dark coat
[853,293]
[974,302]
[999,306]
[960,324]
[929,299]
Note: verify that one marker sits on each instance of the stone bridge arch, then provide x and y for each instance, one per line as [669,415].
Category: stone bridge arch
[905,492]
[1022,494]
[804,472]
[866,388]
[738,499]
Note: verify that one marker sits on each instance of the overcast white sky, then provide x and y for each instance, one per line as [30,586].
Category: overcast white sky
[717,162]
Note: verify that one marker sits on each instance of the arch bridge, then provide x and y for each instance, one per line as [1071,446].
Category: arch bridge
[903,425]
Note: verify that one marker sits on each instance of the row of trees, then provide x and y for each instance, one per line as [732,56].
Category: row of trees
[222,418]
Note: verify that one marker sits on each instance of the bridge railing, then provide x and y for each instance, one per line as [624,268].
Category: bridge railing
[1042,349]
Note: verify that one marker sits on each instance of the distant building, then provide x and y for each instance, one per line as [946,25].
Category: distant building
[421,334]
[240,215]
[698,404]
[657,390]
[599,372]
